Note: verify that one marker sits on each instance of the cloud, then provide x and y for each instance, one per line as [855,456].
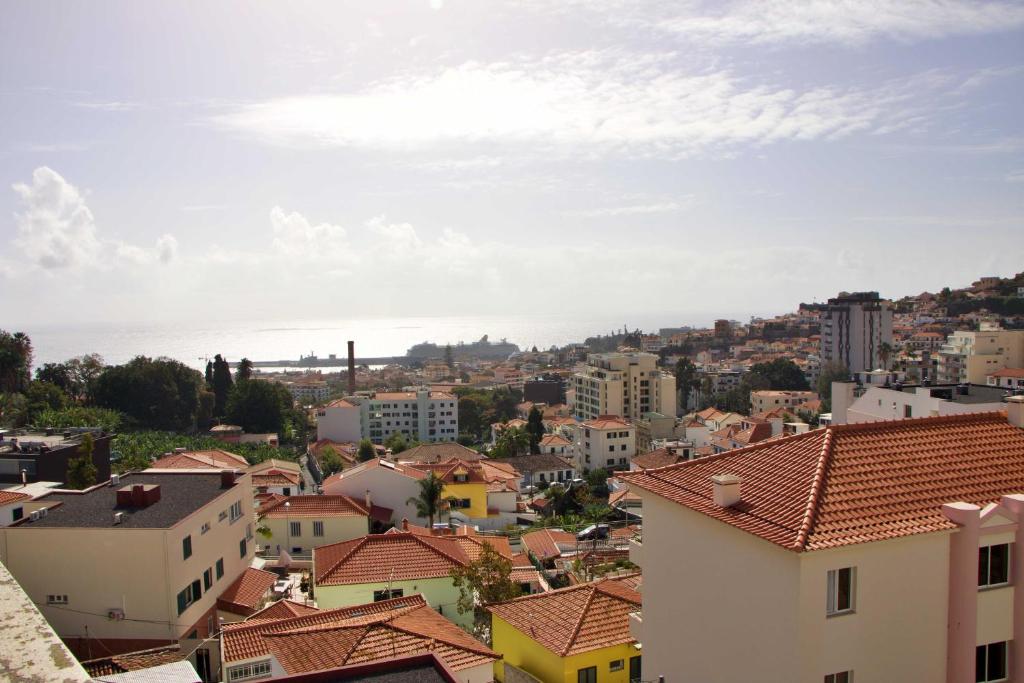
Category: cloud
[56,230]
[295,236]
[1015,177]
[633,209]
[842,21]
[589,103]
[110,105]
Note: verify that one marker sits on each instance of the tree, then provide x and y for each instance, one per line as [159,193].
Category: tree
[535,428]
[156,393]
[330,461]
[57,374]
[221,385]
[209,373]
[81,470]
[42,396]
[687,379]
[397,443]
[429,500]
[449,357]
[485,581]
[258,406]
[366,450]
[832,372]
[781,374]
[511,442]
[84,371]
[244,370]
[885,351]
[15,361]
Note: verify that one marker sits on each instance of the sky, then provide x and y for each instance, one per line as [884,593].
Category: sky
[194,161]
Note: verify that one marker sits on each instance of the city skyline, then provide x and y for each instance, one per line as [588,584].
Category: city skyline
[654,159]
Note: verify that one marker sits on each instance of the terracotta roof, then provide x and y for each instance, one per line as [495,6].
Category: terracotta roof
[8,497]
[661,457]
[473,545]
[573,620]
[623,495]
[1009,372]
[213,459]
[401,556]
[275,464]
[633,581]
[133,661]
[437,452]
[282,609]
[848,484]
[554,440]
[397,467]
[447,470]
[521,560]
[245,640]
[525,575]
[544,543]
[543,462]
[341,403]
[607,422]
[246,592]
[359,640]
[275,478]
[314,506]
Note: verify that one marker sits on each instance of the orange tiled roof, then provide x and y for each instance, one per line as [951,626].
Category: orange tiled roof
[848,484]
[554,440]
[275,478]
[314,506]
[1009,372]
[661,457]
[525,575]
[8,497]
[473,545]
[544,543]
[360,640]
[573,620]
[133,661]
[245,640]
[521,560]
[282,609]
[400,556]
[212,459]
[608,422]
[246,592]
[437,452]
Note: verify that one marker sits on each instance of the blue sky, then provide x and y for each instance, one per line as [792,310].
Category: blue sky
[195,161]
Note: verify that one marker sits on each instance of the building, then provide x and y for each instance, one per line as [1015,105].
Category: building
[882,553]
[347,452]
[420,415]
[624,384]
[44,456]
[135,562]
[184,459]
[359,636]
[1008,378]
[308,390]
[540,469]
[547,545]
[579,634]
[723,329]
[854,403]
[854,328]
[970,357]
[556,444]
[607,442]
[340,420]
[763,401]
[548,389]
[245,596]
[296,524]
[391,565]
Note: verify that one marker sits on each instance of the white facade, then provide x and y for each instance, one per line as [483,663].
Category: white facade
[880,403]
[421,415]
[383,482]
[969,357]
[853,329]
[339,421]
[624,384]
[606,443]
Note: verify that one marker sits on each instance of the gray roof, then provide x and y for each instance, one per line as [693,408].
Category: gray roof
[181,494]
[543,462]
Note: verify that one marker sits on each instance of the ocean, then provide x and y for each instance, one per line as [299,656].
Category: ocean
[268,340]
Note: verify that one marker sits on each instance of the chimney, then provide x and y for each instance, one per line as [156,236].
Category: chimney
[227,478]
[369,501]
[351,368]
[405,524]
[1015,411]
[726,489]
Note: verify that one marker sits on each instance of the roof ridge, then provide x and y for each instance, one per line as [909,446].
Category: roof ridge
[579,622]
[817,486]
[428,541]
[987,416]
[355,546]
[394,623]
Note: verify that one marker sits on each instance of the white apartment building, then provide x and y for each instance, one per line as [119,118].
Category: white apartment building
[762,401]
[1008,378]
[624,384]
[607,441]
[795,561]
[421,415]
[308,391]
[853,404]
[969,357]
[853,329]
[136,562]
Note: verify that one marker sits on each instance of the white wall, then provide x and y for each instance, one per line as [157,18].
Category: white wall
[387,488]
[338,423]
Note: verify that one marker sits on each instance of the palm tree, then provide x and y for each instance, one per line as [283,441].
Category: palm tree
[885,352]
[244,370]
[428,502]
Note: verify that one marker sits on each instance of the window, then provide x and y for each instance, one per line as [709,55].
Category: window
[190,594]
[611,447]
[207,579]
[841,677]
[222,516]
[236,511]
[17,513]
[56,599]
[990,662]
[908,411]
[318,528]
[248,532]
[588,675]
[387,595]
[249,671]
[994,565]
[296,528]
[617,665]
[840,591]
[242,550]
[220,568]
[186,547]
[634,669]
[205,528]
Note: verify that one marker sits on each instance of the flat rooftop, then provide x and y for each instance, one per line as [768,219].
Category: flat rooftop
[12,442]
[966,394]
[181,494]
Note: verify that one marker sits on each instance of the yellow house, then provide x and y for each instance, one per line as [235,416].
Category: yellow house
[465,485]
[396,564]
[578,634]
[298,524]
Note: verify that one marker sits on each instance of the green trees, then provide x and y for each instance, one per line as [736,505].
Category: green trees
[15,362]
[535,428]
[41,396]
[244,370]
[781,374]
[511,442]
[885,351]
[366,450]
[330,461]
[79,416]
[479,408]
[397,443]
[832,372]
[449,357]
[155,393]
[686,379]
[258,406]
[221,385]
[484,581]
[429,500]
[81,470]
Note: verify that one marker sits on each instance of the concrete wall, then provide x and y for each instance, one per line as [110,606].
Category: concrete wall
[336,530]
[338,423]
[387,488]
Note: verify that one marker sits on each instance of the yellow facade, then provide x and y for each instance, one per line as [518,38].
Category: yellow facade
[525,653]
[440,593]
[475,492]
[335,530]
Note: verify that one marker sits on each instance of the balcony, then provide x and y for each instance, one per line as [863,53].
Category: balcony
[636,624]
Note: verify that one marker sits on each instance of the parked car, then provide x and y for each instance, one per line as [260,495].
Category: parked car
[592,532]
[282,587]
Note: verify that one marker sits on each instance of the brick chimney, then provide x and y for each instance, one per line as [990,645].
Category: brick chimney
[1015,411]
[351,368]
[227,478]
[726,489]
